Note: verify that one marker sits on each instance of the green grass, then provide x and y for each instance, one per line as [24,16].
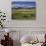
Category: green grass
[24,14]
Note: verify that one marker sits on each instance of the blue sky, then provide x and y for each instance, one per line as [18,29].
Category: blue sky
[23,4]
[23,0]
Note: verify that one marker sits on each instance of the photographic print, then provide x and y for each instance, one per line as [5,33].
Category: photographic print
[23,9]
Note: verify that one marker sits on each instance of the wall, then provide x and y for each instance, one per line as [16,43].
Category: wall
[36,25]
[5,6]
[40,17]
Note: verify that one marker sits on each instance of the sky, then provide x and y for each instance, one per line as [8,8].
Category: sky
[23,4]
[23,0]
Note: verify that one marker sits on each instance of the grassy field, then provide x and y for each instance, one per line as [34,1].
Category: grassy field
[24,14]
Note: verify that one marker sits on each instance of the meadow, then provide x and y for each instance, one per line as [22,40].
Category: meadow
[24,13]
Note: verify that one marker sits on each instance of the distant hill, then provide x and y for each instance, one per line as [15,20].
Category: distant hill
[23,8]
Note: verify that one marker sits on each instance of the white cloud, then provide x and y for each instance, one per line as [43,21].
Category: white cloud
[23,0]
